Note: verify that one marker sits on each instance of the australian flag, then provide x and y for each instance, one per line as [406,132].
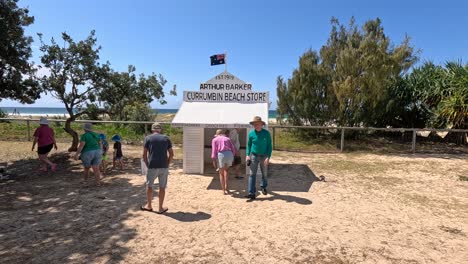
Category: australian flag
[217,59]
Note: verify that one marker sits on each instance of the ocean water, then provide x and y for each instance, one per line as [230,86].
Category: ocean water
[52,111]
[24,111]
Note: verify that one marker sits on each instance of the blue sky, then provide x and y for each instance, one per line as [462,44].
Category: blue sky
[263,39]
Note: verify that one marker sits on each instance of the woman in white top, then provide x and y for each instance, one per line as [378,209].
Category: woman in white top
[234,136]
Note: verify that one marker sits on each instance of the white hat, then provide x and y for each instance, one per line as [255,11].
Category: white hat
[43,121]
[88,127]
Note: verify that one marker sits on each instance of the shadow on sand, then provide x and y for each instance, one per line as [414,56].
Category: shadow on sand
[188,217]
[51,217]
[282,178]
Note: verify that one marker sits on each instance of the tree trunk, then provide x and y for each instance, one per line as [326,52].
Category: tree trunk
[463,140]
[69,130]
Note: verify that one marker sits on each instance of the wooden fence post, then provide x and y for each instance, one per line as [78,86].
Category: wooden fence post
[29,130]
[273,138]
[413,145]
[342,139]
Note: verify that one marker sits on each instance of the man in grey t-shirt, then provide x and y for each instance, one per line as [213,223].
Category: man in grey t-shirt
[157,146]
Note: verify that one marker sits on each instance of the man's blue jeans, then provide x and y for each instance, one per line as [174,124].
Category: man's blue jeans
[255,161]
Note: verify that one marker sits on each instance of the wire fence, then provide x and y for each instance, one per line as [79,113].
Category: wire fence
[369,139]
[289,138]
[131,131]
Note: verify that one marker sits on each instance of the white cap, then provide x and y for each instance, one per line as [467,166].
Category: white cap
[43,121]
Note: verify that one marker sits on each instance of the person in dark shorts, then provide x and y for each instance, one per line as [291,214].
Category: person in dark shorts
[155,155]
[44,137]
[118,155]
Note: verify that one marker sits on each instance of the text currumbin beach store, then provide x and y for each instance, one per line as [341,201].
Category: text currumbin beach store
[225,102]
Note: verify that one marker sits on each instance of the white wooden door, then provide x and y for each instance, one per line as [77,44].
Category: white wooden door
[193,150]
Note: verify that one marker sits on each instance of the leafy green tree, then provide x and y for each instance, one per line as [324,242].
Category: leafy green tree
[442,93]
[284,108]
[403,108]
[424,85]
[306,97]
[17,79]
[76,76]
[350,82]
[363,64]
[93,112]
[453,106]
[2,114]
[125,88]
[138,111]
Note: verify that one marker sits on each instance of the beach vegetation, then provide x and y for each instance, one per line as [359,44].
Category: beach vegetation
[75,76]
[138,111]
[359,78]
[90,89]
[125,91]
[17,73]
[3,114]
[347,82]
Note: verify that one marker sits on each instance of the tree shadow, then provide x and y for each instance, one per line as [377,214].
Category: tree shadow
[51,217]
[133,166]
[27,169]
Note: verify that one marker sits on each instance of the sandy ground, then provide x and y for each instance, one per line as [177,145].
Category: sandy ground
[371,209]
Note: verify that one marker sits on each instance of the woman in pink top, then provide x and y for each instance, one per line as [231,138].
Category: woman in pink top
[44,137]
[223,151]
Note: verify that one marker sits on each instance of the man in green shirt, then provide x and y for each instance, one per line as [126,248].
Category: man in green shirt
[258,153]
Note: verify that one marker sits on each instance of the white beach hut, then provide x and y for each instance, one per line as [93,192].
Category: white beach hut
[225,101]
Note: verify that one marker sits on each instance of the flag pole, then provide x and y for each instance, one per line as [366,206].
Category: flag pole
[225,61]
